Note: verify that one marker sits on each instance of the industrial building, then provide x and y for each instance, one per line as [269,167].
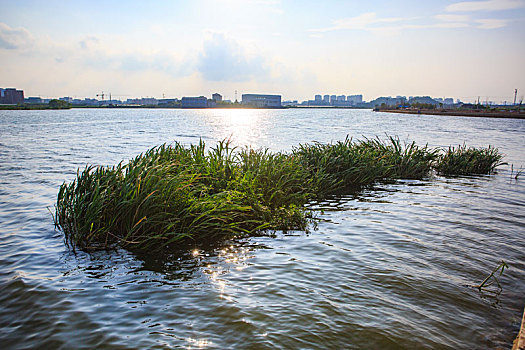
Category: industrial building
[262,101]
[197,102]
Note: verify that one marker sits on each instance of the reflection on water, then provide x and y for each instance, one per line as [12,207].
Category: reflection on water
[390,267]
[243,126]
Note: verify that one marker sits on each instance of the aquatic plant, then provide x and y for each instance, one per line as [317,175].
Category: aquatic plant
[517,174]
[172,194]
[463,160]
[347,166]
[493,278]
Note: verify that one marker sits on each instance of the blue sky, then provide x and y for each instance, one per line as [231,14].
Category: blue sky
[294,48]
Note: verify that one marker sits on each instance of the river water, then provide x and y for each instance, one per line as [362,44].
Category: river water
[388,268]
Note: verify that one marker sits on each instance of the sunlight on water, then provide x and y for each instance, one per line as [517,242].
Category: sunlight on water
[232,258]
[243,126]
[198,343]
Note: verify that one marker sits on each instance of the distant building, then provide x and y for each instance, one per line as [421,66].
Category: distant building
[354,99]
[448,101]
[194,102]
[168,101]
[90,101]
[318,98]
[149,101]
[326,99]
[11,96]
[67,99]
[197,102]
[341,98]
[256,100]
[290,103]
[216,97]
[333,99]
[33,100]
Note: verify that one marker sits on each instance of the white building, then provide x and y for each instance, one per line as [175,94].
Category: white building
[355,99]
[256,100]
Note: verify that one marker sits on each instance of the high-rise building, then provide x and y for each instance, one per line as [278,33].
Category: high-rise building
[11,96]
[326,99]
[341,98]
[318,98]
[333,99]
[354,99]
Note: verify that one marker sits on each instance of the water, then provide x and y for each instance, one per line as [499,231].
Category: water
[389,268]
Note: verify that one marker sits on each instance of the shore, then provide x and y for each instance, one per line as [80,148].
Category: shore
[461,113]
[519,342]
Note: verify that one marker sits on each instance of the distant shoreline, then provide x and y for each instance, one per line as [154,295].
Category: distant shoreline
[45,107]
[459,113]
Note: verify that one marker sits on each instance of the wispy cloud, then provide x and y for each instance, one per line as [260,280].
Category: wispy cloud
[491,23]
[394,25]
[452,18]
[488,5]
[14,38]
[363,21]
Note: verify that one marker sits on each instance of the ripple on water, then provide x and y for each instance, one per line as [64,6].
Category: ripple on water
[388,268]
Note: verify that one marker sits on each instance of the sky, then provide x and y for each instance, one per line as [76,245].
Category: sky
[293,48]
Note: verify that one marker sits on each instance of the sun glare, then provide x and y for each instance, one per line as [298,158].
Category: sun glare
[244,126]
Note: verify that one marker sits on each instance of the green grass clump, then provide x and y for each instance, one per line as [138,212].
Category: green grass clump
[347,166]
[171,195]
[463,160]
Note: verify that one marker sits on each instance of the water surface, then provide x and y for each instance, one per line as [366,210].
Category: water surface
[388,268]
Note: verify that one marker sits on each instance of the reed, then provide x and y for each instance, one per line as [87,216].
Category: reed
[347,166]
[171,194]
[463,160]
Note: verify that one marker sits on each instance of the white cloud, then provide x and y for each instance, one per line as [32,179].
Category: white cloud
[491,23]
[224,59]
[14,38]
[488,5]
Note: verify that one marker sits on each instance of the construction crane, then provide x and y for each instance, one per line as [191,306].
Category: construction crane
[101,95]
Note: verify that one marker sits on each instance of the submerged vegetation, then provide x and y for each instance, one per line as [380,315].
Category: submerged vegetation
[172,194]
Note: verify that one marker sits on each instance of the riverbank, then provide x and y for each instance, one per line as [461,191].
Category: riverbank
[519,343]
[460,113]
